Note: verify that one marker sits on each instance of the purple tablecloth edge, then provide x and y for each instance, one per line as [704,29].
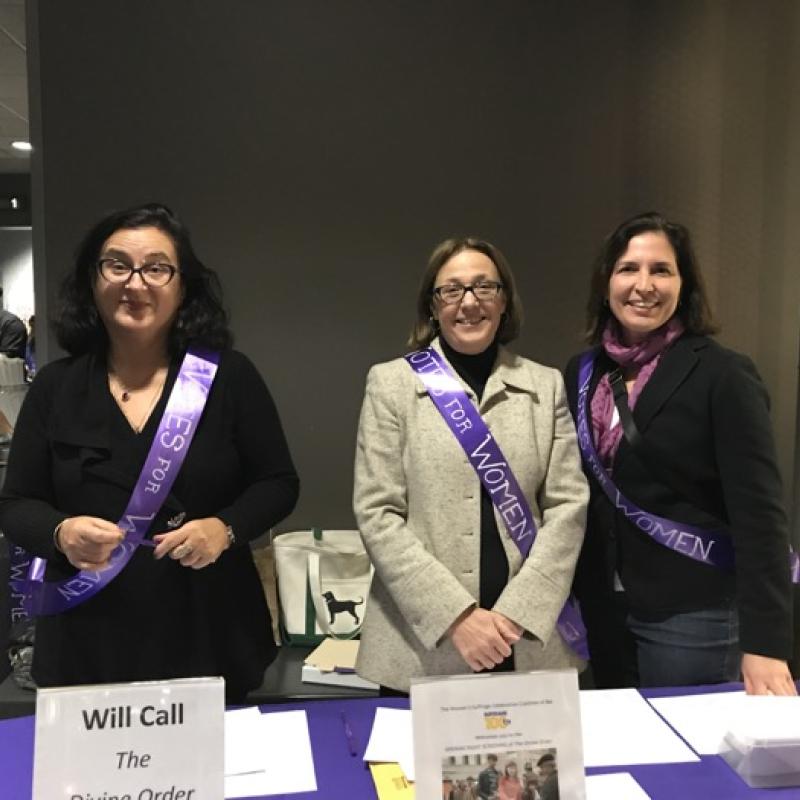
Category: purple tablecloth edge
[341,776]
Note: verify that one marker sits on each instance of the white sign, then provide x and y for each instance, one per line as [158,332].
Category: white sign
[160,740]
[498,735]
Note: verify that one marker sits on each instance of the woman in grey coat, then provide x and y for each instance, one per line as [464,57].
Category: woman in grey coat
[452,592]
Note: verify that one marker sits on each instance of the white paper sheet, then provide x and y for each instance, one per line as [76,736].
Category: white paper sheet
[704,719]
[287,763]
[615,786]
[392,739]
[243,748]
[619,728]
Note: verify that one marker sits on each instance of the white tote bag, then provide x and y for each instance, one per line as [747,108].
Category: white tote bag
[323,583]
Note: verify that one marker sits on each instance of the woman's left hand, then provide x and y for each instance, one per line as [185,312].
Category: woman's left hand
[196,544]
[764,675]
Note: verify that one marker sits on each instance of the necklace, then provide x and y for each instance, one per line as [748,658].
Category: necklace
[124,394]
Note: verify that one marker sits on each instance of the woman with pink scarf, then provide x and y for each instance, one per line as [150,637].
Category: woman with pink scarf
[684,577]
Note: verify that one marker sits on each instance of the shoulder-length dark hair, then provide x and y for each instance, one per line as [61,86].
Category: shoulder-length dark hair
[201,318]
[693,310]
[425,328]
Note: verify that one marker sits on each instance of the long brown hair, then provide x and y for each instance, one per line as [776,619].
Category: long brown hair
[693,310]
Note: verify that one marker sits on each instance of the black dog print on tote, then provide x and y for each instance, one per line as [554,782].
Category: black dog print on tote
[339,606]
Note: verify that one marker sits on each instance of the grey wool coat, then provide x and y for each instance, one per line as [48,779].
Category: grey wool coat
[417,504]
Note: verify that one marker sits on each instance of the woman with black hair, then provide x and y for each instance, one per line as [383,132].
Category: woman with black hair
[189,601]
[684,574]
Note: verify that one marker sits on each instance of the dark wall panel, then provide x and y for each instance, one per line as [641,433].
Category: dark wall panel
[15,200]
[318,150]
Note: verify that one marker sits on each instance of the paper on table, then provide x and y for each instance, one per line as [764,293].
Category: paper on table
[391,739]
[253,784]
[620,728]
[334,654]
[407,764]
[615,786]
[287,764]
[768,720]
[391,783]
[704,719]
[243,748]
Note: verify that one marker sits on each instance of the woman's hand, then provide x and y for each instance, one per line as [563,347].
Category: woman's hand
[764,675]
[483,638]
[88,542]
[509,630]
[196,544]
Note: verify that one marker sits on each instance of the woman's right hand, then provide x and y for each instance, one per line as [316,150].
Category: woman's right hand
[481,639]
[763,675]
[88,542]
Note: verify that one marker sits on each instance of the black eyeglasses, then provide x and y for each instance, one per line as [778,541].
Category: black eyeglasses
[153,274]
[452,293]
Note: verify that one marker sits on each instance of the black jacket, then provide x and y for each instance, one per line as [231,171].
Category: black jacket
[706,411]
[13,335]
[74,453]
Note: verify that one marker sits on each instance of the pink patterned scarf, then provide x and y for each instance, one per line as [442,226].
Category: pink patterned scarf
[645,355]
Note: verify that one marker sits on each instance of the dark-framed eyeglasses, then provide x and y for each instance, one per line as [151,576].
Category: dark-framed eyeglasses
[452,293]
[156,273]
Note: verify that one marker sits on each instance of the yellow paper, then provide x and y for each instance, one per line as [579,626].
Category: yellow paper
[334,654]
[390,783]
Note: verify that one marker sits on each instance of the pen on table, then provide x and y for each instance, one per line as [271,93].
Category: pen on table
[348,733]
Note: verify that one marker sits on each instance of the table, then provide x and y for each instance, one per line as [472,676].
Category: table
[281,684]
[343,777]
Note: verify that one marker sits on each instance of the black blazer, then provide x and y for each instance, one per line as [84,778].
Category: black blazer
[706,411]
[74,453]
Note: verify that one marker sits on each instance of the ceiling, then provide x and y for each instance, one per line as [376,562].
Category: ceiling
[13,86]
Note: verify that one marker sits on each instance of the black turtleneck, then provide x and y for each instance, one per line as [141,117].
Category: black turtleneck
[475,371]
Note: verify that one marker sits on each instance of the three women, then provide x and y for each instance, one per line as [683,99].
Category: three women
[678,423]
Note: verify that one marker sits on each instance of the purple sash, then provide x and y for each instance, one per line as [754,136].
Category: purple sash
[486,458]
[167,453]
[19,561]
[712,547]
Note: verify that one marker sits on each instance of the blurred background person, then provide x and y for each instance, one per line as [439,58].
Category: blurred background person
[548,777]
[489,779]
[510,786]
[13,333]
[30,349]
